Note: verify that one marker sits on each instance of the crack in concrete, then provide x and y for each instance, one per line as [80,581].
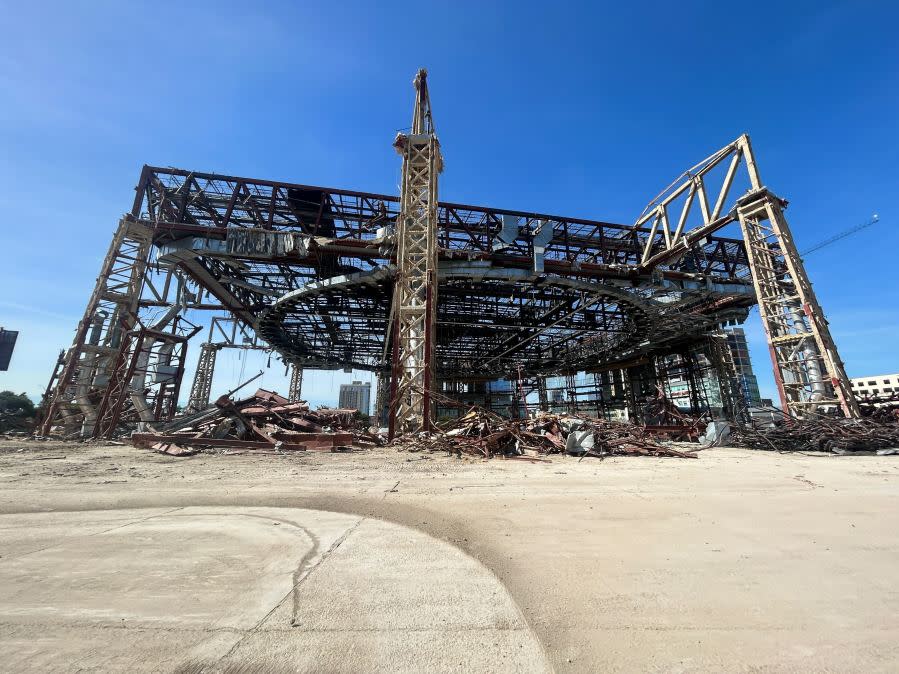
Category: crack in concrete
[303,571]
[96,533]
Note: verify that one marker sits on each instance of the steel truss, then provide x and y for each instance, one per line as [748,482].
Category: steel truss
[809,373]
[127,360]
[415,294]
[295,389]
[202,385]
[338,278]
[147,353]
[100,337]
[810,376]
[225,332]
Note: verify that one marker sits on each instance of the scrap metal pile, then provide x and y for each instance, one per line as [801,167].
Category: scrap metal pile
[264,421]
[15,423]
[840,436]
[883,407]
[269,422]
[484,434]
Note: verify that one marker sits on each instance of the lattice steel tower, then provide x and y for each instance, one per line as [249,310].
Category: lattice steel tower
[807,367]
[415,292]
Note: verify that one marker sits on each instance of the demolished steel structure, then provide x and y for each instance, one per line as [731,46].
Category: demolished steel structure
[436,296]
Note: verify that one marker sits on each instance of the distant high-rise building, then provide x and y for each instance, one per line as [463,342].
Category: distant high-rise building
[876,384]
[736,339]
[708,380]
[356,396]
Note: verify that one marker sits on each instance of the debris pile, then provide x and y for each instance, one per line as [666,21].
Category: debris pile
[883,407]
[264,421]
[16,413]
[15,424]
[840,436]
[484,434]
[662,417]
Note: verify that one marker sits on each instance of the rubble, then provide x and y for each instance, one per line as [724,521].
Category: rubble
[269,422]
[484,434]
[264,421]
[16,413]
[883,407]
[839,436]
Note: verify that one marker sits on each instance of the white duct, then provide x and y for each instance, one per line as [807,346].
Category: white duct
[810,356]
[139,381]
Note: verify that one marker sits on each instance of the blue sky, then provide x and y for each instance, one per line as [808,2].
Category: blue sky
[578,109]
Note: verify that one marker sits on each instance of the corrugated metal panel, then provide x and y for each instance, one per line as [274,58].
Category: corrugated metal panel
[262,243]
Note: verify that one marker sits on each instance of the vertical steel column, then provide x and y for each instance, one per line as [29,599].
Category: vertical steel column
[634,412]
[689,364]
[415,293]
[110,313]
[295,390]
[542,395]
[571,391]
[382,398]
[202,384]
[605,395]
[807,367]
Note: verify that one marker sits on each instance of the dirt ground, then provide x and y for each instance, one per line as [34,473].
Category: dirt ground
[736,561]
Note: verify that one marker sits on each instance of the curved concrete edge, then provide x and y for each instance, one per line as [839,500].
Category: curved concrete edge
[223,588]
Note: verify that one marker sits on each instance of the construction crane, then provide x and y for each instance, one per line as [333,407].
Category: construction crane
[842,235]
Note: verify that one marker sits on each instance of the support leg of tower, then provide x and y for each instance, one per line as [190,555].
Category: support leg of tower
[110,313]
[295,390]
[202,384]
[810,376]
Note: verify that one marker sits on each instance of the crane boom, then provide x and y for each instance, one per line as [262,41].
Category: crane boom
[842,235]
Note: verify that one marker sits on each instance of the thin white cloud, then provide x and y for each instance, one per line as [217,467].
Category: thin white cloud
[29,309]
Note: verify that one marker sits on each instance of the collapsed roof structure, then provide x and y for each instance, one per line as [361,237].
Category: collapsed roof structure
[437,296]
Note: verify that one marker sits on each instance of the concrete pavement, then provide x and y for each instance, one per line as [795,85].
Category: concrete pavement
[247,589]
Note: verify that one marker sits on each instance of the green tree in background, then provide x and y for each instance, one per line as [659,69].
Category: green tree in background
[12,403]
